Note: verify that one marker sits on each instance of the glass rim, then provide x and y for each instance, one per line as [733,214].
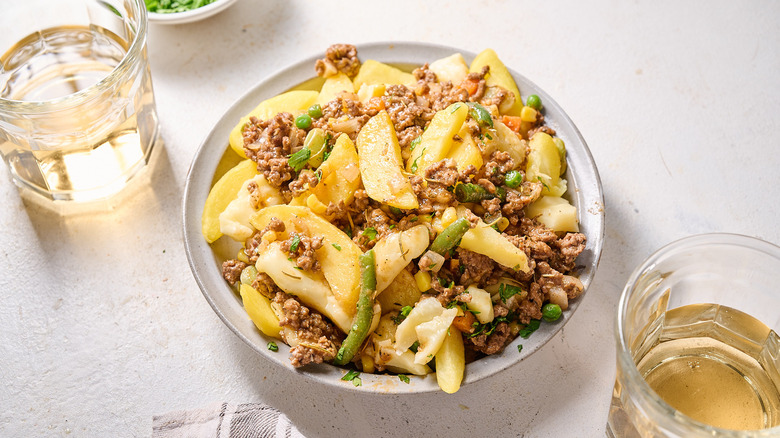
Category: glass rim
[655,406]
[79,97]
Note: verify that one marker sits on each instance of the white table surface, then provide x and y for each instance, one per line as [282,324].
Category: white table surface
[103,326]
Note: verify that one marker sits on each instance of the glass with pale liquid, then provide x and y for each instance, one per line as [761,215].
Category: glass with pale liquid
[77,113]
[698,352]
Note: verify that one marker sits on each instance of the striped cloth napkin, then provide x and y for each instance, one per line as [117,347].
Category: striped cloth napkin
[225,420]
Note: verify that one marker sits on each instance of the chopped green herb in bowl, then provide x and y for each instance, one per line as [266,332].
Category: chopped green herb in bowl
[183,11]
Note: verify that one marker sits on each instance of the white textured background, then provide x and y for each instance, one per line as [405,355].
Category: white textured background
[102,325]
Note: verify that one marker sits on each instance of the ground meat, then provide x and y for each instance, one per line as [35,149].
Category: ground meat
[492,344]
[252,244]
[302,247]
[405,138]
[269,143]
[497,166]
[516,200]
[531,307]
[569,247]
[477,267]
[265,285]
[231,270]
[342,115]
[311,329]
[444,172]
[338,58]
[424,74]
[405,108]
[479,78]
[306,179]
[446,294]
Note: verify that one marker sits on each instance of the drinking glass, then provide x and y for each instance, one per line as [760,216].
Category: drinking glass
[697,346]
[77,113]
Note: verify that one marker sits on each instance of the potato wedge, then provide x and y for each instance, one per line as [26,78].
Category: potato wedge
[333,86]
[259,309]
[309,286]
[221,194]
[484,239]
[505,140]
[554,212]
[338,256]
[436,141]
[293,102]
[375,72]
[450,362]
[544,164]
[381,164]
[498,75]
[466,152]
[394,252]
[401,292]
[452,68]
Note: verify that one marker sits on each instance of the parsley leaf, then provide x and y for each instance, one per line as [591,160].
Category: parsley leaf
[272,346]
[505,291]
[520,348]
[530,328]
[402,316]
[337,246]
[353,376]
[298,160]
[296,240]
[404,378]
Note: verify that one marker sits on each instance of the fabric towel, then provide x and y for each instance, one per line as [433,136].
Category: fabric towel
[225,420]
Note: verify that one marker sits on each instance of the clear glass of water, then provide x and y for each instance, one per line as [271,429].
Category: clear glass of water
[77,113]
[697,346]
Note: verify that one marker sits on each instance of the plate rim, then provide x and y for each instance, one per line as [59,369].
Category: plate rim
[211,149]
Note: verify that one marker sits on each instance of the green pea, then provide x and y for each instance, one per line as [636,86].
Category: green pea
[551,312]
[513,179]
[315,111]
[303,121]
[534,102]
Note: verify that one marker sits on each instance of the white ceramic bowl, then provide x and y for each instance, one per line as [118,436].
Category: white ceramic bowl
[205,260]
[190,16]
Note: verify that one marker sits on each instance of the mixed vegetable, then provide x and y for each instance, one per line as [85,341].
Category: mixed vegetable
[398,222]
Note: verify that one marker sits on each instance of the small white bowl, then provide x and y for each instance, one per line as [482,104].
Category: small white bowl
[190,16]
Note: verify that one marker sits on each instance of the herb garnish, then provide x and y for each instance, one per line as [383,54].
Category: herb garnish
[505,291]
[370,233]
[272,346]
[402,316]
[353,376]
[404,378]
[337,246]
[296,240]
[298,160]
[532,326]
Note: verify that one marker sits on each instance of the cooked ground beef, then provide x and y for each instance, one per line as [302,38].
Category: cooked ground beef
[302,247]
[446,294]
[477,267]
[444,172]
[231,270]
[311,330]
[269,143]
[252,244]
[306,179]
[338,58]
[342,115]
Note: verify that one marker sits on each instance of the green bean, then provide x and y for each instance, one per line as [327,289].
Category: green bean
[450,236]
[365,311]
[475,193]
[480,114]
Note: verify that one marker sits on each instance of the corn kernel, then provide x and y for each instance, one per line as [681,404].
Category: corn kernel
[316,205]
[241,256]
[448,217]
[528,114]
[368,363]
[269,236]
[502,223]
[423,280]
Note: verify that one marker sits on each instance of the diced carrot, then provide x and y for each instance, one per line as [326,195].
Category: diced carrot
[465,323]
[470,86]
[512,122]
[375,103]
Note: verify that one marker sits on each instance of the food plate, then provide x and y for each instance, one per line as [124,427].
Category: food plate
[211,160]
[192,15]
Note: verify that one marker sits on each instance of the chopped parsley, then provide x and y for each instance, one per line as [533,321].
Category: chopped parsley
[298,160]
[402,315]
[337,246]
[520,348]
[352,376]
[415,143]
[506,291]
[296,240]
[532,326]
[415,346]
[272,346]
[404,378]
